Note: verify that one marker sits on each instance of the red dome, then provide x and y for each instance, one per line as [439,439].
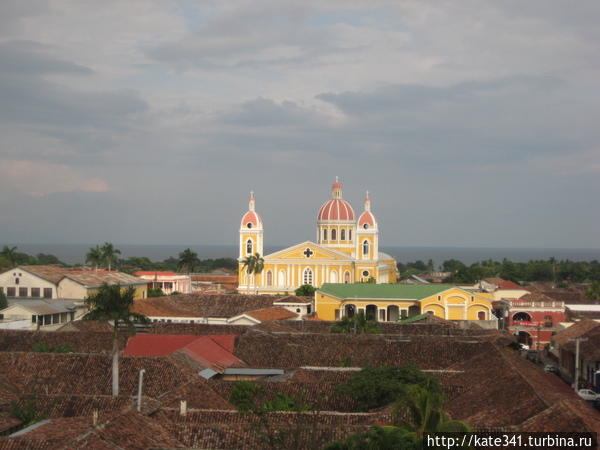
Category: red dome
[366,217]
[252,218]
[336,209]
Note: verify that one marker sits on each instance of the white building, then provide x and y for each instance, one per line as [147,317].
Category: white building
[168,282]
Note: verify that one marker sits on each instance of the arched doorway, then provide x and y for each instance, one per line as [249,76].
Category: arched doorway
[371,312]
[521,317]
[393,313]
[481,315]
[523,337]
[349,311]
[347,277]
[281,278]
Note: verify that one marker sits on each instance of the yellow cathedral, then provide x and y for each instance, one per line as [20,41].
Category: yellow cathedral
[346,251]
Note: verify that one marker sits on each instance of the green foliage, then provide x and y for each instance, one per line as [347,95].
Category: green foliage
[155,292]
[134,263]
[306,290]
[593,291]
[419,409]
[374,387]
[113,303]
[94,257]
[43,347]
[188,260]
[27,410]
[3,301]
[110,254]
[452,265]
[379,438]
[245,397]
[357,324]
[175,293]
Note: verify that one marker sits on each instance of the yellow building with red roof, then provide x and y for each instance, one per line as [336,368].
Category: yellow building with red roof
[346,251]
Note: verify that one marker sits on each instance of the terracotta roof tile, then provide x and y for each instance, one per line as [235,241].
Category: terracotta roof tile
[272,313]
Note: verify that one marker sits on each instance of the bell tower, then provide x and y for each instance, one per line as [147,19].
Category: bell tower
[251,231]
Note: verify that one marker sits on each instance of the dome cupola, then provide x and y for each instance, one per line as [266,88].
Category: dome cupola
[336,209]
[367,220]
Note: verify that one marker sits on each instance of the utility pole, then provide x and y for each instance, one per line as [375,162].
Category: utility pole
[577,341]
[139,399]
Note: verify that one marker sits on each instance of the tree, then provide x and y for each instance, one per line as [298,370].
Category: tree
[452,265]
[593,291]
[113,304]
[187,260]
[155,292]
[10,253]
[306,290]
[95,256]
[253,265]
[357,324]
[374,387]
[109,254]
[419,409]
[3,301]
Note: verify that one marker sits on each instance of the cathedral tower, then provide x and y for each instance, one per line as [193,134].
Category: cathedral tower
[251,231]
[367,239]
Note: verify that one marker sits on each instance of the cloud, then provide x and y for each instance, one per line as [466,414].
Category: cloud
[41,179]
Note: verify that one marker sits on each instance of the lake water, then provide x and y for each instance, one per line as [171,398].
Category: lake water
[75,253]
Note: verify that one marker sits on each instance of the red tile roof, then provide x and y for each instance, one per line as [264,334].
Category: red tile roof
[209,351]
[154,273]
[272,313]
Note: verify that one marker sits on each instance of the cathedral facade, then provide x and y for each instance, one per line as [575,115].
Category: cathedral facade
[346,251]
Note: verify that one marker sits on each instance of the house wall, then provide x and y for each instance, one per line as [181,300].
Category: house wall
[509,293]
[68,288]
[9,279]
[454,304]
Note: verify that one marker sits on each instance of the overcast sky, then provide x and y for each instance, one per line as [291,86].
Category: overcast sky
[472,123]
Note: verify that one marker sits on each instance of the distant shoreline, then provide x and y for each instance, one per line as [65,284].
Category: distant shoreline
[75,253]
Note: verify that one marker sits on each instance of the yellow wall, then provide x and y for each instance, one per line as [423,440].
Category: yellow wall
[450,305]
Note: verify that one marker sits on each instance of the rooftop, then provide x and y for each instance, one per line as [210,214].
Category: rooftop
[391,291]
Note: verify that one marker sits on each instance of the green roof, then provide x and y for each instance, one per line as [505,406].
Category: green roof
[414,318]
[391,291]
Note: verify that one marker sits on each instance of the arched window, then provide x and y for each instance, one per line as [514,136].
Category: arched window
[365,247]
[333,277]
[333,234]
[281,278]
[349,235]
[347,277]
[548,321]
[269,278]
[308,276]
[324,234]
[249,246]
[343,235]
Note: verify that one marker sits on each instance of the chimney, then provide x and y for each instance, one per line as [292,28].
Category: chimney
[183,408]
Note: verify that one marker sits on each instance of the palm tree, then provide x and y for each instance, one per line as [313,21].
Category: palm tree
[94,256]
[423,407]
[109,254]
[10,253]
[187,259]
[113,304]
[253,264]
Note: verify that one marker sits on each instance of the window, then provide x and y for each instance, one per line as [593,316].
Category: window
[11,292]
[16,281]
[439,298]
[281,278]
[33,319]
[548,321]
[347,277]
[365,247]
[269,278]
[308,276]
[365,273]
[343,235]
[23,292]
[249,224]
[47,292]
[481,315]
[333,234]
[249,247]
[308,310]
[349,235]
[366,226]
[35,292]
[324,234]
[298,310]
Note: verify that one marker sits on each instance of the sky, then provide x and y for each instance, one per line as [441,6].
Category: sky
[471,122]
